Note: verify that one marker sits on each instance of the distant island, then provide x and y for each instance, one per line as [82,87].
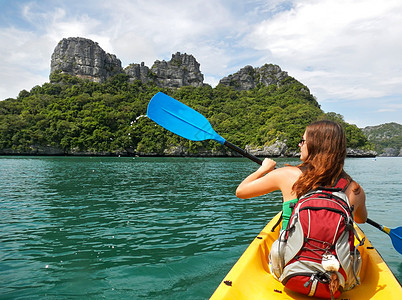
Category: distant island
[387,138]
[93,106]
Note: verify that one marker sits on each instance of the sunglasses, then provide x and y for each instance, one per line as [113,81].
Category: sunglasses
[302,141]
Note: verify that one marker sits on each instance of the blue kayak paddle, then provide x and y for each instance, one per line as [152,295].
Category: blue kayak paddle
[186,122]
[395,234]
[190,124]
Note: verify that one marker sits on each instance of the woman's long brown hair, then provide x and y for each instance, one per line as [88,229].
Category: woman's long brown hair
[326,146]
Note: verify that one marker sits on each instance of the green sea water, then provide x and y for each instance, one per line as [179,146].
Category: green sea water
[147,228]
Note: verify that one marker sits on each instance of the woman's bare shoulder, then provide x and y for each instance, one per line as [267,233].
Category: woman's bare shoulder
[290,170]
[354,188]
[286,177]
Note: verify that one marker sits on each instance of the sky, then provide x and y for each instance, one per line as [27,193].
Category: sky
[347,52]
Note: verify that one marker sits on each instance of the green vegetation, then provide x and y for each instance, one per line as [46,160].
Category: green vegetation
[77,116]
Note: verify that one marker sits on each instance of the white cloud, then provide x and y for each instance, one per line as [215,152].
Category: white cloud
[344,45]
[386,110]
[15,80]
[24,61]
[391,107]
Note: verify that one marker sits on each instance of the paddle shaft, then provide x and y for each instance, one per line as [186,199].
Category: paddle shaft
[375,224]
[242,152]
[378,226]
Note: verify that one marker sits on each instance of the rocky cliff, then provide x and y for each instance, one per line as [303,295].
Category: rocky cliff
[181,70]
[85,59]
[139,72]
[248,77]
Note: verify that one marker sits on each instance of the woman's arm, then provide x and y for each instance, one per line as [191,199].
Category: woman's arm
[268,179]
[357,198]
[256,184]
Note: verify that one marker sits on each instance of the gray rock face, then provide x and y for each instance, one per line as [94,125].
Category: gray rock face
[360,153]
[85,59]
[248,77]
[138,72]
[279,148]
[181,70]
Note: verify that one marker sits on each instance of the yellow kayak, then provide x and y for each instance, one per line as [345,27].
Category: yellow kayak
[250,277]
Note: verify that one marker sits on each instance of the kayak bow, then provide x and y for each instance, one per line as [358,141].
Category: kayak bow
[250,277]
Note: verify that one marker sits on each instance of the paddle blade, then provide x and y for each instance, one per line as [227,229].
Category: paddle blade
[396,238]
[181,119]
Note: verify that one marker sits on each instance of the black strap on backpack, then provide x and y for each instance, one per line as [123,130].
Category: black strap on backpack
[277,223]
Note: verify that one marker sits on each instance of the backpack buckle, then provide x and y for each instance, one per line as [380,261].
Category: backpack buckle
[309,281]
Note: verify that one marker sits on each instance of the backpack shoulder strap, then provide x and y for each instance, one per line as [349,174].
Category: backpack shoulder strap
[342,184]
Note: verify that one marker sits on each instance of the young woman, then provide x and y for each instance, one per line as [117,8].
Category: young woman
[323,152]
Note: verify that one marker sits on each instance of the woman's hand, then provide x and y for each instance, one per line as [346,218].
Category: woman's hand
[267,165]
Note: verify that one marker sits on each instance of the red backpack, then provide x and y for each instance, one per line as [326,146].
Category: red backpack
[317,244]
